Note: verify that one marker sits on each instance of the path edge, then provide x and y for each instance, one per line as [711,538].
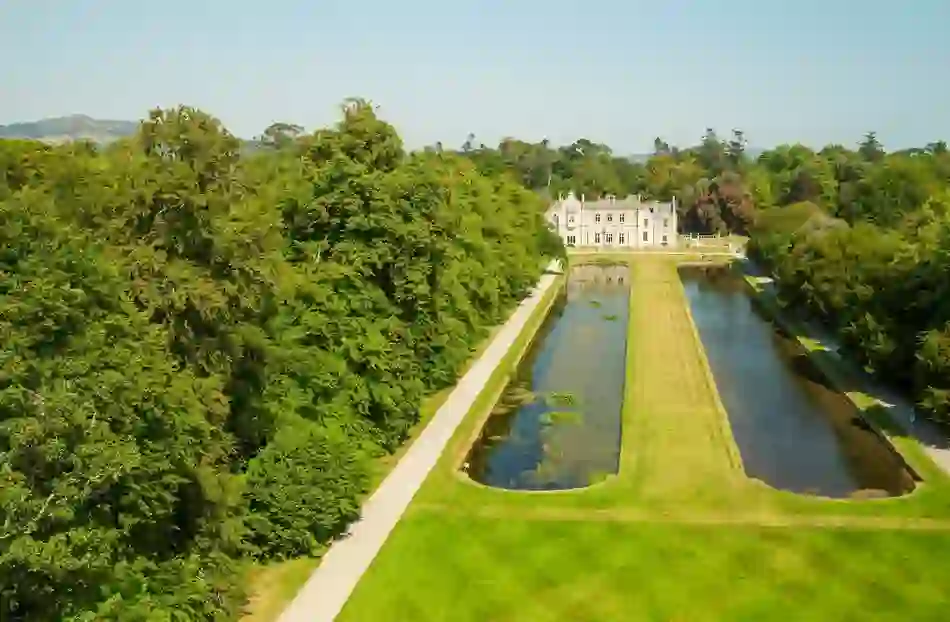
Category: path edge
[330,585]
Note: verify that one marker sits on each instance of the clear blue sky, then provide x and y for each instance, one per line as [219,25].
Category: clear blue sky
[615,71]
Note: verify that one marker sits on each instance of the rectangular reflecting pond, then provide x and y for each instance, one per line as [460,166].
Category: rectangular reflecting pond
[557,424]
[794,431]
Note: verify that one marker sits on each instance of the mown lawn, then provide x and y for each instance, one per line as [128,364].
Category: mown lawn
[680,533]
[440,567]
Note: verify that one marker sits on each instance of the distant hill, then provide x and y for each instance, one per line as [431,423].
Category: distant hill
[82,127]
[74,127]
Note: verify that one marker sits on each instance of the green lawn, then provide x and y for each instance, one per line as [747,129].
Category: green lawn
[463,569]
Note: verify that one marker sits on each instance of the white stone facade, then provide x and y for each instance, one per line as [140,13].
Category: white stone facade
[614,223]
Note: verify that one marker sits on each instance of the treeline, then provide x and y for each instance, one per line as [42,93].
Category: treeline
[204,350]
[720,187]
[710,181]
[861,240]
[885,292]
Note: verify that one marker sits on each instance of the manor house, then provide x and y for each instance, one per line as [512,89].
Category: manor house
[609,222]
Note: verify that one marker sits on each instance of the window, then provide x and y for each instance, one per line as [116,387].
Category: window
[621,220]
[645,237]
[664,239]
[570,219]
[596,238]
[610,217]
[646,223]
[621,236]
[596,217]
[666,222]
[610,238]
[571,240]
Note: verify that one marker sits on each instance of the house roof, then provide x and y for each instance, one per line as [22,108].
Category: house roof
[631,202]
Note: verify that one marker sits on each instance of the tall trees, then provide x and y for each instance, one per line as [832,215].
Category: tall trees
[280,135]
[884,291]
[114,460]
[735,149]
[708,180]
[870,148]
[203,349]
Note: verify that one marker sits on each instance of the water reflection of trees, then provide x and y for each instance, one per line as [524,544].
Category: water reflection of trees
[823,449]
[557,424]
[598,279]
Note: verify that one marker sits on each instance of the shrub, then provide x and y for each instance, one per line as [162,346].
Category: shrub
[304,488]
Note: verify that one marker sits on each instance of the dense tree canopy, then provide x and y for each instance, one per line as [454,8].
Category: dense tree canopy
[707,180]
[719,187]
[861,240]
[204,348]
[884,291]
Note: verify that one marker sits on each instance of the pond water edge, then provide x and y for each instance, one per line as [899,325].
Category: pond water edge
[775,315]
[846,459]
[532,331]
[556,425]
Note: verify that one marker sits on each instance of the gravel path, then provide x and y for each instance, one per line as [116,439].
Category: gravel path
[330,585]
